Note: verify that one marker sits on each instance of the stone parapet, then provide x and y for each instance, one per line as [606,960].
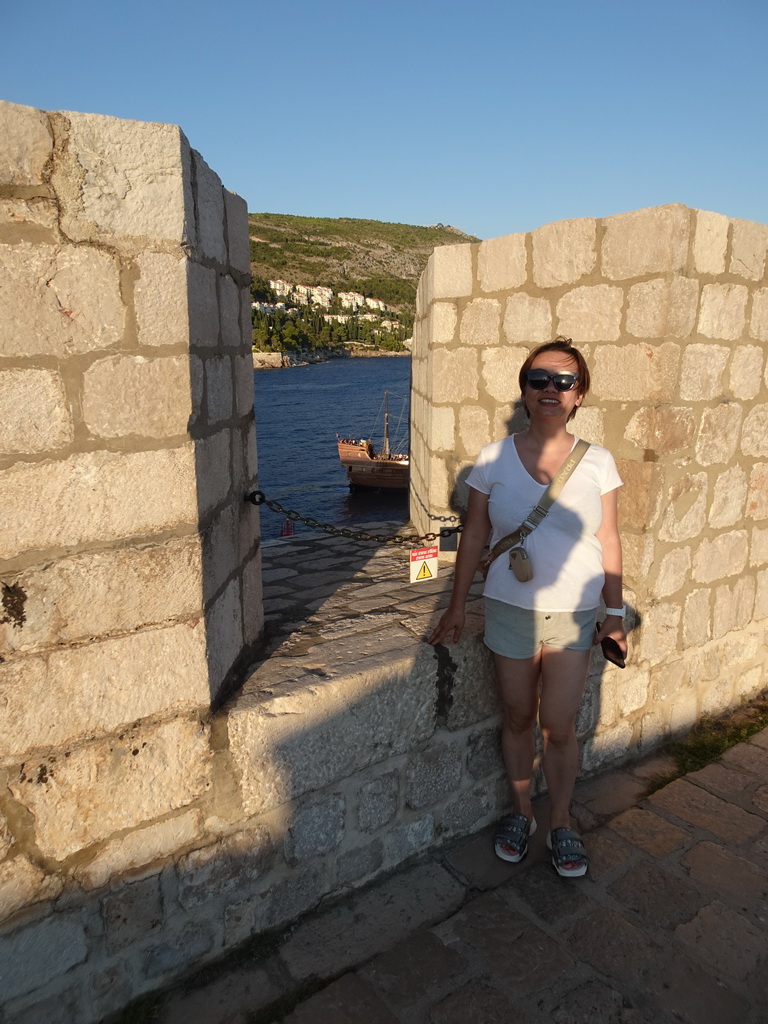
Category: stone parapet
[669,306]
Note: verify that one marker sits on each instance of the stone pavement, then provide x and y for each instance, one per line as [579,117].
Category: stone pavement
[669,925]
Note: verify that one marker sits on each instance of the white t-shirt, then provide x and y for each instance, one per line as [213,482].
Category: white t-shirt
[564,551]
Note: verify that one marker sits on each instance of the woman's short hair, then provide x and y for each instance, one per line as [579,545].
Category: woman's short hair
[566,346]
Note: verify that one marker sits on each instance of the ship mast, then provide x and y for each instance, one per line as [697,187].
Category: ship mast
[386,424]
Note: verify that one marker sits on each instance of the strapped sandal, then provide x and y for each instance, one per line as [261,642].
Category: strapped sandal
[567,848]
[511,838]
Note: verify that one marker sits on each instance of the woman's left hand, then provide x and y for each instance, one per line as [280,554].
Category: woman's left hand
[613,626]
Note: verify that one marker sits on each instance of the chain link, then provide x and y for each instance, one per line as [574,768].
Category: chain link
[259,498]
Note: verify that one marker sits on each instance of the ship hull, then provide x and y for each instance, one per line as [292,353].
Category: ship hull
[365,467]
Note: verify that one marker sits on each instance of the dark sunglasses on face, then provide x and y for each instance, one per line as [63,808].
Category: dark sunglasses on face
[538,380]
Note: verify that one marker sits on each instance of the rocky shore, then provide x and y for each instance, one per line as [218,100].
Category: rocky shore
[284,360]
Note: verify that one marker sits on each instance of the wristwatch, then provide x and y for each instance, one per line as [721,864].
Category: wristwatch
[621,612]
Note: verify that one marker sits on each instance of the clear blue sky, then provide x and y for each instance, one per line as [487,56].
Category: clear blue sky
[491,115]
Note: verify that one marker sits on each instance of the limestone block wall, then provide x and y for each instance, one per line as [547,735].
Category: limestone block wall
[670,307]
[130,580]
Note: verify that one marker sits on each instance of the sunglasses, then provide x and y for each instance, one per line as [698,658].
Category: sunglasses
[538,380]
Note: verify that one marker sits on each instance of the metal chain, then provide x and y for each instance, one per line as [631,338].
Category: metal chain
[259,498]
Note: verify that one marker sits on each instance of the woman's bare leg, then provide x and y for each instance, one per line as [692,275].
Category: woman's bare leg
[519,685]
[563,676]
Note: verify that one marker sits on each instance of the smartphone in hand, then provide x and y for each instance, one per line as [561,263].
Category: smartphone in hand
[611,650]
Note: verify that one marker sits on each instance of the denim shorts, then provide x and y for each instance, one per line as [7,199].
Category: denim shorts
[519,632]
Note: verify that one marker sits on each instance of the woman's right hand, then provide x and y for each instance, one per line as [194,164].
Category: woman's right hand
[448,629]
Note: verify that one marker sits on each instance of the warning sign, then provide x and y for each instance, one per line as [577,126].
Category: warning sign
[424,563]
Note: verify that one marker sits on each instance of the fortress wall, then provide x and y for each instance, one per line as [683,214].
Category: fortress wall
[670,307]
[129,563]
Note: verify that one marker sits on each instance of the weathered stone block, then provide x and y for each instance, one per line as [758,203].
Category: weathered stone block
[710,242]
[749,242]
[120,396]
[648,241]
[638,551]
[636,373]
[253,602]
[244,384]
[23,883]
[443,318]
[724,939]
[639,498]
[564,252]
[659,632]
[746,371]
[132,911]
[480,322]
[729,498]
[754,433]
[724,555]
[293,742]
[474,429]
[661,308]
[238,248]
[470,694]
[177,951]
[229,310]
[140,848]
[442,429]
[590,313]
[352,865]
[6,838]
[757,494]
[673,572]
[733,606]
[377,802]
[403,841]
[527,319]
[501,263]
[34,416]
[218,389]
[134,181]
[213,456]
[76,598]
[160,299]
[701,376]
[761,595]
[484,753]
[468,812]
[233,864]
[449,272]
[432,774]
[70,694]
[29,220]
[224,630]
[316,828]
[58,301]
[454,375]
[82,498]
[723,311]
[33,956]
[662,429]
[113,784]
[718,434]
[26,144]
[210,211]
[685,508]
[758,324]
[293,896]
[758,552]
[203,304]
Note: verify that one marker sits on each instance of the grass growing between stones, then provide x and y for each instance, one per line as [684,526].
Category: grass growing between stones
[709,739]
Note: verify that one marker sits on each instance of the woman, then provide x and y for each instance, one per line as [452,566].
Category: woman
[542,631]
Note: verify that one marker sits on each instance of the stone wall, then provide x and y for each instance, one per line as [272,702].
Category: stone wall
[129,563]
[670,307]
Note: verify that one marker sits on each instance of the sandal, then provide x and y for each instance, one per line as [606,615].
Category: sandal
[567,848]
[511,839]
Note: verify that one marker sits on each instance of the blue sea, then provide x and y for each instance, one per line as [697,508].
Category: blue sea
[299,412]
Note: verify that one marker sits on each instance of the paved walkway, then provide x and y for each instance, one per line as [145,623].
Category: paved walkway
[670,924]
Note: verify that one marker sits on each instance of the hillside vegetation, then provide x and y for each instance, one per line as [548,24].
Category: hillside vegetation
[380,260]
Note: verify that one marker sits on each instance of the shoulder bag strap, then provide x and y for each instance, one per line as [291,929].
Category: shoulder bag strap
[548,498]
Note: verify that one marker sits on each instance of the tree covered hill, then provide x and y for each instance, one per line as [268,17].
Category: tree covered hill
[380,260]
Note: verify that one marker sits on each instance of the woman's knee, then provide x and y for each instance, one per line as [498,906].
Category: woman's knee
[559,734]
[518,720]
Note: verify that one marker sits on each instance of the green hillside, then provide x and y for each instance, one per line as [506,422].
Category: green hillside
[381,260]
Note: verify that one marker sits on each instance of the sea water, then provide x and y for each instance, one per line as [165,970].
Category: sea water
[299,412]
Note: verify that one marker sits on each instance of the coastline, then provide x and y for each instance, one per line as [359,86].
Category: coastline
[287,360]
